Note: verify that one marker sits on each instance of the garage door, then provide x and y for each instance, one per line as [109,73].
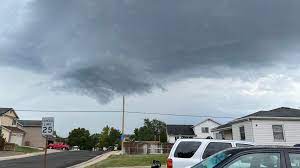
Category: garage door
[16,138]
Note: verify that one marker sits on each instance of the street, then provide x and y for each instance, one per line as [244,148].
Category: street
[54,160]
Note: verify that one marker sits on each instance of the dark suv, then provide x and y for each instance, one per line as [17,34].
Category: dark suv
[254,157]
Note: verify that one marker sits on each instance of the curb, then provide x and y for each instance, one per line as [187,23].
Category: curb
[26,155]
[94,160]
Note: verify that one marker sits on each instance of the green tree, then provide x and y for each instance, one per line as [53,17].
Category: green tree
[80,137]
[95,138]
[109,137]
[154,130]
[2,140]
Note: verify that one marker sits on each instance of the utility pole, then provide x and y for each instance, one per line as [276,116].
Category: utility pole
[123,125]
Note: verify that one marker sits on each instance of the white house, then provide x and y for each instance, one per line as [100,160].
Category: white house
[203,129]
[200,130]
[275,127]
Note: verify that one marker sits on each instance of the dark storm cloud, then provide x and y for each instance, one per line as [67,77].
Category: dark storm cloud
[108,47]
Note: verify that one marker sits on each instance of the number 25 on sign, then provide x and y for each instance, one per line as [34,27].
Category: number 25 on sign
[47,126]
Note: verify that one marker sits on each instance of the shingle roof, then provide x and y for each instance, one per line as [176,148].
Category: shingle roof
[14,129]
[279,112]
[180,130]
[30,123]
[4,110]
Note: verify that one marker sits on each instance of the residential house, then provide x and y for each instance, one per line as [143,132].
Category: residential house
[203,129]
[274,127]
[200,130]
[33,129]
[175,132]
[20,132]
[9,127]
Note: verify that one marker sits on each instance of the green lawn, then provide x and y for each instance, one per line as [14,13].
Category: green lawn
[130,160]
[24,149]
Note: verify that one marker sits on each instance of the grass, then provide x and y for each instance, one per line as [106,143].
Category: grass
[24,149]
[130,160]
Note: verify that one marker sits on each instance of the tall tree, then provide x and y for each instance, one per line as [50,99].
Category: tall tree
[109,137]
[80,137]
[154,130]
[95,138]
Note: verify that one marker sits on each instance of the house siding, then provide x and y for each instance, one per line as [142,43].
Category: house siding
[7,118]
[263,132]
[171,139]
[33,137]
[198,129]
[227,135]
[248,131]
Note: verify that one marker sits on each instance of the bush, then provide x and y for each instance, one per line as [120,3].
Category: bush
[2,142]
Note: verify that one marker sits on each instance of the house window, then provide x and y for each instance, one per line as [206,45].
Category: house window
[14,122]
[204,130]
[242,133]
[278,132]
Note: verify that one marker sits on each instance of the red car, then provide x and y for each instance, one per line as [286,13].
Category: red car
[59,146]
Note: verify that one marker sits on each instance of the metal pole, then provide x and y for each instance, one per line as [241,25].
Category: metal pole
[123,123]
[45,156]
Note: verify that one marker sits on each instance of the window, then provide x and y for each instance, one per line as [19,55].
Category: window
[278,132]
[186,149]
[243,145]
[215,147]
[257,160]
[14,122]
[205,130]
[242,133]
[214,160]
[295,160]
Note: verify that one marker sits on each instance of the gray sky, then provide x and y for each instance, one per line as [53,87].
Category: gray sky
[220,58]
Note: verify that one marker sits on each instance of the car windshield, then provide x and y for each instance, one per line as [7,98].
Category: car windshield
[215,159]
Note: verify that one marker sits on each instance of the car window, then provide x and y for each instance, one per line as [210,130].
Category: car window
[186,149]
[214,147]
[215,159]
[295,160]
[243,145]
[257,160]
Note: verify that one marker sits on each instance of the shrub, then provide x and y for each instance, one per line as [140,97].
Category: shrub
[2,142]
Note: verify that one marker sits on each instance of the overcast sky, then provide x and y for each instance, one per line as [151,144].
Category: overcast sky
[217,58]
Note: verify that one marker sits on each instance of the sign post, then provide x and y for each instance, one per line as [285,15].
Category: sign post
[47,130]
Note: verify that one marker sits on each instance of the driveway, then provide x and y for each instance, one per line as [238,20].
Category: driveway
[54,160]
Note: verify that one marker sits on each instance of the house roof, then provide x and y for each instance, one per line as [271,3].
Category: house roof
[279,112]
[5,110]
[14,129]
[30,123]
[180,130]
[282,112]
[208,119]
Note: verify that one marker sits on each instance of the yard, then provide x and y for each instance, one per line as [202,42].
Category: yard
[23,149]
[130,160]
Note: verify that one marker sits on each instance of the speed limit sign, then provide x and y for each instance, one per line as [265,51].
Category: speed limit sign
[47,126]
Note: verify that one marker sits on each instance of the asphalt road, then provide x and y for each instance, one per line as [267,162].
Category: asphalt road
[54,160]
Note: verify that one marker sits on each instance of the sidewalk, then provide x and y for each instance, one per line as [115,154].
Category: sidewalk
[27,155]
[95,160]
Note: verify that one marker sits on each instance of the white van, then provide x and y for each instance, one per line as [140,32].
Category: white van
[188,152]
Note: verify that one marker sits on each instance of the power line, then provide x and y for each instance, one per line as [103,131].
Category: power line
[129,112]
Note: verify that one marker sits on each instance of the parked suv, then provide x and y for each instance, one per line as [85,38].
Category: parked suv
[255,157]
[188,152]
